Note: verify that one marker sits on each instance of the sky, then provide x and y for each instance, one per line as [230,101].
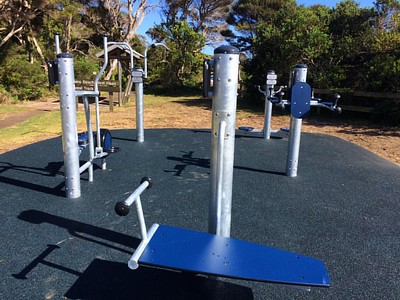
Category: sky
[154,17]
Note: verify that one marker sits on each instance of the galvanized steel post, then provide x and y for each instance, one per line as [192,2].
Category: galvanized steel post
[299,75]
[69,127]
[226,71]
[137,77]
[271,81]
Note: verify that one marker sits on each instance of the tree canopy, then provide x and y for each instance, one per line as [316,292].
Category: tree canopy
[345,46]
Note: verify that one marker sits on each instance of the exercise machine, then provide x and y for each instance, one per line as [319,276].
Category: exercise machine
[300,103]
[216,253]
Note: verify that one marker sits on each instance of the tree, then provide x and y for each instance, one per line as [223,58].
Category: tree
[245,16]
[206,17]
[383,69]
[16,15]
[294,34]
[184,60]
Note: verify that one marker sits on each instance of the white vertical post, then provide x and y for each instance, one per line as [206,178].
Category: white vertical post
[226,71]
[299,75]
[271,81]
[57,42]
[139,105]
[69,127]
[90,136]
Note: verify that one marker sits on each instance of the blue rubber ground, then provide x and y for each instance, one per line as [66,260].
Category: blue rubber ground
[343,208]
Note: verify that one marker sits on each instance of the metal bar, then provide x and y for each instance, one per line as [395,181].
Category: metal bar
[220,167]
[90,136]
[122,208]
[142,223]
[96,89]
[226,73]
[133,262]
[145,55]
[86,93]
[69,127]
[85,166]
[57,42]
[136,193]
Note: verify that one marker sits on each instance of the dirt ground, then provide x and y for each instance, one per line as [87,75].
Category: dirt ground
[196,113]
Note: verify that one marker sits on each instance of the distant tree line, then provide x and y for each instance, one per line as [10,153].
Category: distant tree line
[346,47]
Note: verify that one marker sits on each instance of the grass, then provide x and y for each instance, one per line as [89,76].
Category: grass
[193,111]
[39,127]
[7,110]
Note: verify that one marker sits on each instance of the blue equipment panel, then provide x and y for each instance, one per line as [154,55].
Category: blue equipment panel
[300,100]
[182,249]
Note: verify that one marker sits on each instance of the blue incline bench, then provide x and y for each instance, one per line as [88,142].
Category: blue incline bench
[204,253]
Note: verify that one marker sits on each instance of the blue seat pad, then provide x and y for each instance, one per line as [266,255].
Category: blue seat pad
[187,250]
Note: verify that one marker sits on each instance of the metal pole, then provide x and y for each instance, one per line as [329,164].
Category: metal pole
[99,149]
[268,106]
[69,127]
[299,75]
[139,108]
[90,136]
[57,42]
[226,71]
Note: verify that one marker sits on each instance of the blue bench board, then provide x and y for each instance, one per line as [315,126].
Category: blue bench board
[187,250]
[300,101]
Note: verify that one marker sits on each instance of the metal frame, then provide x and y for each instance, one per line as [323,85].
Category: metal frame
[298,75]
[71,149]
[226,74]
[123,208]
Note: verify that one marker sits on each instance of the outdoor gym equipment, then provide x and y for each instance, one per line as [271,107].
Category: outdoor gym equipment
[215,253]
[300,104]
[62,73]
[137,76]
[270,83]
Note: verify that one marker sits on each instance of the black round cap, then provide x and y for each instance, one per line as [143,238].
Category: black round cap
[64,55]
[302,66]
[122,209]
[226,50]
[149,180]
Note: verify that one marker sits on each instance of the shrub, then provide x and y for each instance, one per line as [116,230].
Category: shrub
[23,80]
[85,67]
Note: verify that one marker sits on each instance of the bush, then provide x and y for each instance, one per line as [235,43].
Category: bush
[85,67]
[388,112]
[5,97]
[23,80]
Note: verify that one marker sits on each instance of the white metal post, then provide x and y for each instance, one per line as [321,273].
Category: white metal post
[226,71]
[137,77]
[299,75]
[69,127]
[271,81]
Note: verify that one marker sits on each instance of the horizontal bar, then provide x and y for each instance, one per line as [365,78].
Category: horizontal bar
[85,167]
[86,93]
[136,193]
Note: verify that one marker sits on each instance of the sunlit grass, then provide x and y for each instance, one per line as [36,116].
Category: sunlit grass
[8,110]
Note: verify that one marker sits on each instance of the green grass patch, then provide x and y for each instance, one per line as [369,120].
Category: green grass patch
[44,123]
[7,110]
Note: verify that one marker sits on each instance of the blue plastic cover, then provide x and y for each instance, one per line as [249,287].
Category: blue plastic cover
[300,101]
[182,249]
